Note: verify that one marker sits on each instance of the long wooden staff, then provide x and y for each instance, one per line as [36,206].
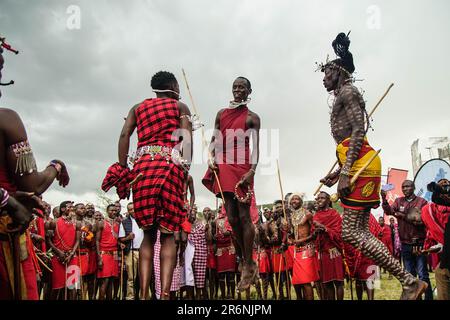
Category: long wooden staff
[121,275]
[370,114]
[285,218]
[335,197]
[205,143]
[65,285]
[81,274]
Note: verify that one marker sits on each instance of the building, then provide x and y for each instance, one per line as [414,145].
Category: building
[423,150]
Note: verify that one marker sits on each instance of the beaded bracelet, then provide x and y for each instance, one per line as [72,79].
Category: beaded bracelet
[55,165]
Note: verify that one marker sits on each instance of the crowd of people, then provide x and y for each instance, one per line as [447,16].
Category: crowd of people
[164,249]
[84,254]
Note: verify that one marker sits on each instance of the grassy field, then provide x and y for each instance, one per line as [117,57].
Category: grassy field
[389,289]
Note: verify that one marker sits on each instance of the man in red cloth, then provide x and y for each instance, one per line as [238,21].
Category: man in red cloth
[164,130]
[211,266]
[327,227]
[107,233]
[88,237]
[235,168]
[302,249]
[435,217]
[277,233]
[225,256]
[64,243]
[385,235]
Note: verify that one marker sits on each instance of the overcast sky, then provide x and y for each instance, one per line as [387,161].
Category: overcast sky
[74,86]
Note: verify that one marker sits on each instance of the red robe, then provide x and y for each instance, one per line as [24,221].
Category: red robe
[108,250]
[232,153]
[226,253]
[28,266]
[64,239]
[386,237]
[435,218]
[329,246]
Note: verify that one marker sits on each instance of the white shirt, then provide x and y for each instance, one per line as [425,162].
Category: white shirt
[138,233]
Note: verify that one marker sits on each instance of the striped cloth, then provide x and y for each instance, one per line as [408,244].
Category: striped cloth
[175,286]
[198,238]
[158,197]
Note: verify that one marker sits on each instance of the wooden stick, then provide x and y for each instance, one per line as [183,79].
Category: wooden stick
[65,285]
[281,189]
[381,99]
[335,197]
[370,114]
[43,263]
[81,274]
[205,143]
[121,276]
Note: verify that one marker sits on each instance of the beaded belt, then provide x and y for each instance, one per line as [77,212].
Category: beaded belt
[230,249]
[168,153]
[112,253]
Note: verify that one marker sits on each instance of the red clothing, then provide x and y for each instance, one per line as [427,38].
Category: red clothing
[406,230]
[330,245]
[233,156]
[64,239]
[332,220]
[305,264]
[211,264]
[278,259]
[263,260]
[225,256]
[435,218]
[37,226]
[28,266]
[158,197]
[386,237]
[108,250]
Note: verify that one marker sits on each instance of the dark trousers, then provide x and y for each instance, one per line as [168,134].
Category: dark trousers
[417,266]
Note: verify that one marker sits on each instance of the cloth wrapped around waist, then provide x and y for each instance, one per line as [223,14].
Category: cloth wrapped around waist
[365,192]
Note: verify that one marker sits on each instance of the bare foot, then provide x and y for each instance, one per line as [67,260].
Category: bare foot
[414,290]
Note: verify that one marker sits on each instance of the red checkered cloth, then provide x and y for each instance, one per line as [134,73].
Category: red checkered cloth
[158,196]
[198,238]
[119,177]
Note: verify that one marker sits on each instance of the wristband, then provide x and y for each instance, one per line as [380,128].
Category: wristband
[56,165]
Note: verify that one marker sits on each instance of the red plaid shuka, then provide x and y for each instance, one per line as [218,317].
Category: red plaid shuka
[198,239]
[158,197]
[119,177]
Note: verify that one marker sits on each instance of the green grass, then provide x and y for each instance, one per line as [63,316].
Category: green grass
[389,289]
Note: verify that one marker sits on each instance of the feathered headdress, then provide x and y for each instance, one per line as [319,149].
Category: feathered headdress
[345,61]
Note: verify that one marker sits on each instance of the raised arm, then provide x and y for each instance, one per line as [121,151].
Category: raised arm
[124,140]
